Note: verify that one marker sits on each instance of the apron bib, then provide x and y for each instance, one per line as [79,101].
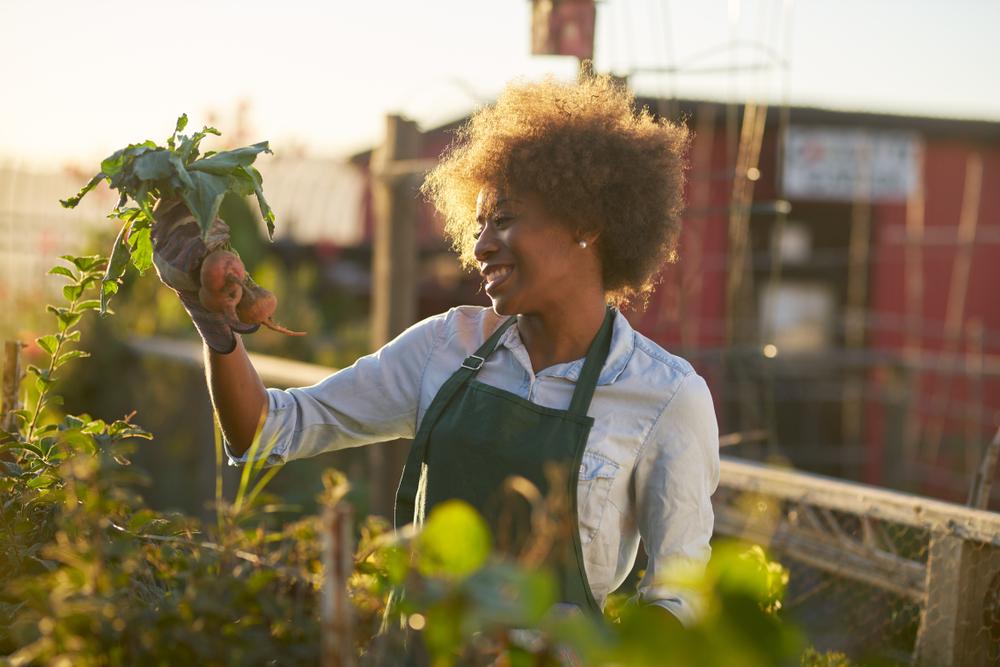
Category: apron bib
[474,436]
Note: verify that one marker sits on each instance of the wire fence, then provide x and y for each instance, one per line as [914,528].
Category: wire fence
[872,572]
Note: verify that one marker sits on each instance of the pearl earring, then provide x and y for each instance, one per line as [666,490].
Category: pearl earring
[583,244]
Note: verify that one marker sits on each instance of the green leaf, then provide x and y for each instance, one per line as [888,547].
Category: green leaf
[33,448]
[118,162]
[43,385]
[38,371]
[92,304]
[72,292]
[205,198]
[70,355]
[42,482]
[96,426]
[181,178]
[112,165]
[265,211]
[223,164]
[242,183]
[12,469]
[61,271]
[154,165]
[189,146]
[455,540]
[142,250]
[75,335]
[123,429]
[91,184]
[66,320]
[48,343]
[84,263]
[22,527]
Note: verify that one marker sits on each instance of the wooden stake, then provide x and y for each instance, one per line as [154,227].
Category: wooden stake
[748,156]
[956,302]
[914,286]
[337,640]
[12,375]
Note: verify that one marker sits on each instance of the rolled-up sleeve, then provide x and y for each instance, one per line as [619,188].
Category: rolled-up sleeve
[676,474]
[374,400]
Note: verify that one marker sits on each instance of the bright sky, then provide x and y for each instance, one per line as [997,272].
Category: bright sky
[80,79]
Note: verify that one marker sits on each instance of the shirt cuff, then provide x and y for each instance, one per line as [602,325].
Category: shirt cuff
[269,450]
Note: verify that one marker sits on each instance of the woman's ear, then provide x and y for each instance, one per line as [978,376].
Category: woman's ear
[587,237]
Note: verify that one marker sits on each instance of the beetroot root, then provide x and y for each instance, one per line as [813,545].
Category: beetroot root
[224,301]
[220,268]
[257,305]
[222,275]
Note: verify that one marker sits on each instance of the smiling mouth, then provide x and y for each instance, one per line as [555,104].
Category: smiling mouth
[497,276]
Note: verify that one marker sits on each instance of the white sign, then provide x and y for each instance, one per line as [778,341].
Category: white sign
[847,164]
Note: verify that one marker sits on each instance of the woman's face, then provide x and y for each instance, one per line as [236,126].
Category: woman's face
[532,263]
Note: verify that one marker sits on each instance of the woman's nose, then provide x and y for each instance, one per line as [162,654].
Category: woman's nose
[485,245]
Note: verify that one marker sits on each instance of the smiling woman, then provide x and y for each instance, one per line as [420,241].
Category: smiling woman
[567,200]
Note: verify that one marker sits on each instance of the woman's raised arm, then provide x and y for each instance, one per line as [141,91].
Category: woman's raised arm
[238,396]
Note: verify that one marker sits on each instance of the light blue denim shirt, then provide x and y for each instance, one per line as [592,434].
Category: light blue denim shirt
[649,469]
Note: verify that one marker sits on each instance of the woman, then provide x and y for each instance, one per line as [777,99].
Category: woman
[566,200]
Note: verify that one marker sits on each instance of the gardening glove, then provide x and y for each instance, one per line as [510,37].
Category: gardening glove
[178,250]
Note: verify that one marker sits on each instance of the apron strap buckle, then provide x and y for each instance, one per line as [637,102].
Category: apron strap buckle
[473,363]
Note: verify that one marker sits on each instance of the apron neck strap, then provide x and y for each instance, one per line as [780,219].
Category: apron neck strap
[592,367]
[473,362]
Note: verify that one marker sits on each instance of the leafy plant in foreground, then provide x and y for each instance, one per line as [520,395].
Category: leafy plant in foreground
[33,486]
[92,577]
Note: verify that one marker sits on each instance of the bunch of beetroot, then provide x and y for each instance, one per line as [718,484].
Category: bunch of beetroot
[161,177]
[227,288]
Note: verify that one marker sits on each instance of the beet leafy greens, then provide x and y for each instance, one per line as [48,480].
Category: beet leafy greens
[146,172]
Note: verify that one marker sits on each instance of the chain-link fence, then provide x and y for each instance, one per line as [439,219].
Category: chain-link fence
[873,572]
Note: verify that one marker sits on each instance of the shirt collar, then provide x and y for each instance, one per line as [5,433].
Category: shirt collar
[622,346]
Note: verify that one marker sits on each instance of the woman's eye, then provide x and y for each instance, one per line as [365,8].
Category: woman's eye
[502,220]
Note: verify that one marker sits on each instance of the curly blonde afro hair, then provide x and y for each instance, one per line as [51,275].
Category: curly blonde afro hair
[598,164]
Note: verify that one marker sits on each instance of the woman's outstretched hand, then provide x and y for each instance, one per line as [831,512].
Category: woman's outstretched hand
[178,253]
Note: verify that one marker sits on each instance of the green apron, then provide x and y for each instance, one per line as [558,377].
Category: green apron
[474,436]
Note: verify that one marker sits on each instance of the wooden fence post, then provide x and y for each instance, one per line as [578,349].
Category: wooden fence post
[953,632]
[12,374]
[337,638]
[394,278]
